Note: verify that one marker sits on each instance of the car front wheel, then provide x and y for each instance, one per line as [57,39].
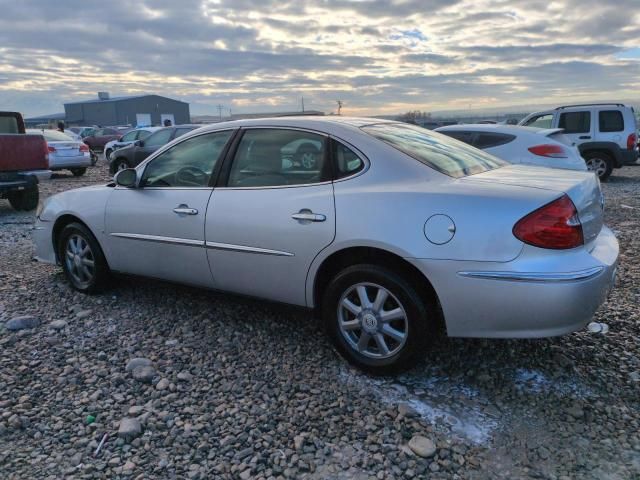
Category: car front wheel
[82,259]
[376,318]
[120,164]
[107,153]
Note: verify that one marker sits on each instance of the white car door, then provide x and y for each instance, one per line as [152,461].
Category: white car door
[273,214]
[157,229]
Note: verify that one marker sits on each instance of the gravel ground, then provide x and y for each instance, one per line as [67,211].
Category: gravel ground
[232,388]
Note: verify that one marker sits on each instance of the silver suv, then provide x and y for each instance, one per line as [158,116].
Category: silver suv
[604,133]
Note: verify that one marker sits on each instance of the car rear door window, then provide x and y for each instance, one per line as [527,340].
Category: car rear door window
[159,138]
[143,134]
[279,157]
[188,164]
[466,137]
[489,139]
[346,161]
[575,122]
[610,121]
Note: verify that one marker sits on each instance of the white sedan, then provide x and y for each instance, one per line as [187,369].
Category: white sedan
[65,153]
[391,231]
[525,145]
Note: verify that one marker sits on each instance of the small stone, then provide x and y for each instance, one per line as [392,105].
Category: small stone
[246,474]
[406,410]
[129,466]
[575,412]
[135,410]
[14,421]
[84,314]
[163,384]
[635,376]
[422,446]
[144,374]
[58,324]
[298,441]
[22,323]
[171,343]
[137,362]
[185,377]
[130,428]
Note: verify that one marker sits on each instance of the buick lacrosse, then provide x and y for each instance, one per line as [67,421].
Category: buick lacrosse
[392,232]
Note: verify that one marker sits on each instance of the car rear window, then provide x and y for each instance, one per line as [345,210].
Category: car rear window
[489,140]
[466,137]
[611,121]
[437,151]
[55,136]
[9,124]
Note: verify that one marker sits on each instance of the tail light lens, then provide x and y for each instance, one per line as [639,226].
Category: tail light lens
[555,225]
[549,150]
[51,149]
[84,147]
[631,141]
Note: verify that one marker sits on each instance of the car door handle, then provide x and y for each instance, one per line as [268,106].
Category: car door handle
[185,210]
[584,137]
[308,216]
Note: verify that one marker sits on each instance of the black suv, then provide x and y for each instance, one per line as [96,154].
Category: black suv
[134,154]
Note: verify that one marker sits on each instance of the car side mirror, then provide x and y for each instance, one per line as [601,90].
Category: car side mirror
[126,178]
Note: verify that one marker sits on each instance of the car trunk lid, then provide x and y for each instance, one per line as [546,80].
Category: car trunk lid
[583,188]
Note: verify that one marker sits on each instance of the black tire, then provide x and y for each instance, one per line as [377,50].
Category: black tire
[107,153]
[120,163]
[78,172]
[600,162]
[100,273]
[26,199]
[308,156]
[420,326]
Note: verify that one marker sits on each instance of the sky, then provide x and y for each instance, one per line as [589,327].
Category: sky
[377,57]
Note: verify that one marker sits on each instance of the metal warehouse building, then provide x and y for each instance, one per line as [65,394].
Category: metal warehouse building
[137,110]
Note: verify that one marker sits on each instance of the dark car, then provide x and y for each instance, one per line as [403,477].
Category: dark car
[98,138]
[134,154]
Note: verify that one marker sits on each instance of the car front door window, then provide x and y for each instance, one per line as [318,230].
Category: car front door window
[279,157]
[189,164]
[159,138]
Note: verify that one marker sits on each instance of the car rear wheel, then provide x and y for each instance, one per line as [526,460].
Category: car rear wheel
[120,164]
[600,163]
[376,318]
[78,172]
[26,199]
[82,259]
[107,153]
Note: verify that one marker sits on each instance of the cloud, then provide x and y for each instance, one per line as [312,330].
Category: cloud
[377,56]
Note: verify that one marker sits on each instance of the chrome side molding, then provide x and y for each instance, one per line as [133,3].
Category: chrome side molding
[247,249]
[535,277]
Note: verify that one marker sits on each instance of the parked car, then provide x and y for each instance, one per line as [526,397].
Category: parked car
[65,153]
[127,139]
[526,145]
[397,232]
[24,160]
[82,131]
[604,133]
[135,153]
[98,138]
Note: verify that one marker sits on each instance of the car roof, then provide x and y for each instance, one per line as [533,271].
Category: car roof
[320,123]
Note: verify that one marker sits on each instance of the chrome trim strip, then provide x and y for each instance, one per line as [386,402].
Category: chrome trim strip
[535,277]
[246,249]
[160,239]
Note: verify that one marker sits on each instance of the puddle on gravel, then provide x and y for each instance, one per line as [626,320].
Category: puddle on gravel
[450,406]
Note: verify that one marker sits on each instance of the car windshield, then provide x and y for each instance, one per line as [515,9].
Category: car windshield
[435,150]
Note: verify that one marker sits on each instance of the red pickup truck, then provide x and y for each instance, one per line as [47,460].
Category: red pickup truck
[24,160]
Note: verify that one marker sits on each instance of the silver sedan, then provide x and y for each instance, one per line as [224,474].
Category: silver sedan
[392,232]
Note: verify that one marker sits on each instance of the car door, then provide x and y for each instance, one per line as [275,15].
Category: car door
[151,144]
[157,229]
[272,215]
[578,125]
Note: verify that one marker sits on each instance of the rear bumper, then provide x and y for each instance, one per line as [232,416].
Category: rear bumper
[77,161]
[528,297]
[628,157]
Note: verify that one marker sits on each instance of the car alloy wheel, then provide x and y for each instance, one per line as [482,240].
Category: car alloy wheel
[121,166]
[308,160]
[372,321]
[597,165]
[80,261]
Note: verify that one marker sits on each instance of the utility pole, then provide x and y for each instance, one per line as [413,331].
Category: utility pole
[302,104]
[339,107]
[220,107]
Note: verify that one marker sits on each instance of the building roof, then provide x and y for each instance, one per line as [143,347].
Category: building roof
[120,99]
[53,116]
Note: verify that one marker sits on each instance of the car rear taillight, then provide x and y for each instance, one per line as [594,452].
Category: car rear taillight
[549,150]
[51,149]
[631,141]
[84,147]
[555,225]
